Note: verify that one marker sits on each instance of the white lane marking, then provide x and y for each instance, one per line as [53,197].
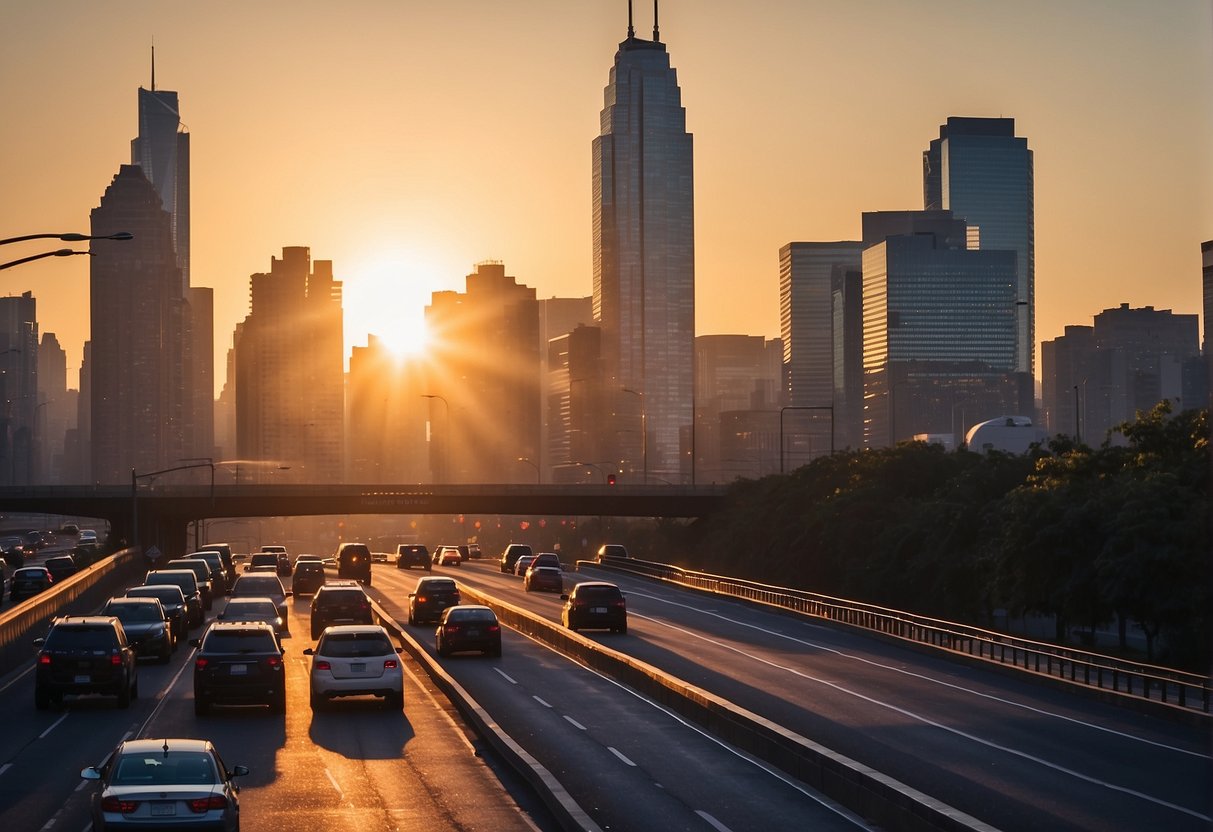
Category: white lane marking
[333,780]
[919,676]
[540,701]
[17,678]
[5,767]
[80,787]
[574,722]
[620,755]
[162,696]
[712,822]
[53,726]
[505,676]
[1023,755]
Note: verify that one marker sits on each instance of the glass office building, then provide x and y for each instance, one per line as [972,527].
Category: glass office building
[644,258]
[982,172]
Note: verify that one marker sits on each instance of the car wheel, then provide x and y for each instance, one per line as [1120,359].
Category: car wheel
[412,619]
[124,695]
[278,703]
[315,632]
[202,705]
[496,652]
[394,702]
[135,687]
[442,651]
[166,655]
[316,701]
[42,699]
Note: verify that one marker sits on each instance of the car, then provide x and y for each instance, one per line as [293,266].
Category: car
[309,576]
[164,784]
[263,586]
[341,602]
[448,556]
[146,625]
[611,550]
[87,536]
[221,579]
[511,554]
[35,540]
[378,557]
[239,663]
[354,561]
[546,559]
[539,578]
[284,558]
[267,560]
[252,608]
[61,567]
[432,595]
[468,627]
[28,581]
[474,551]
[13,552]
[225,553]
[172,600]
[409,555]
[522,564]
[305,558]
[202,572]
[188,581]
[356,660]
[595,604]
[71,529]
[85,654]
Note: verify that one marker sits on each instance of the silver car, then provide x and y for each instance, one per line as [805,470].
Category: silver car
[164,784]
[356,660]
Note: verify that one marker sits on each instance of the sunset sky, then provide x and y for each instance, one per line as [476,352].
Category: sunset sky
[406,141]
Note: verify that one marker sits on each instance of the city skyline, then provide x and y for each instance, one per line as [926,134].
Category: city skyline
[499,167]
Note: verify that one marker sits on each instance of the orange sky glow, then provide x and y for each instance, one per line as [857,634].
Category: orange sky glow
[406,141]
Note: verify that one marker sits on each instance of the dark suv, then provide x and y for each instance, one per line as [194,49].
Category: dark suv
[431,597]
[354,561]
[239,663]
[339,603]
[85,654]
[511,554]
[309,576]
[409,555]
[595,604]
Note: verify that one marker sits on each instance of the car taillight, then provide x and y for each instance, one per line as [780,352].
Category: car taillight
[116,659]
[421,599]
[451,628]
[200,663]
[44,658]
[494,628]
[113,804]
[619,603]
[389,664]
[205,804]
[321,664]
[364,606]
[274,661]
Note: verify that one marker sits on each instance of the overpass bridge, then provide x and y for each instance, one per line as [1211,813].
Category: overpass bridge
[162,512]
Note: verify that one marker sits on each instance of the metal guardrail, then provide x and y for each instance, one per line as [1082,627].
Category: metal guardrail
[1177,688]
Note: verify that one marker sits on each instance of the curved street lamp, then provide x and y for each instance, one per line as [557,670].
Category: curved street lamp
[63,252]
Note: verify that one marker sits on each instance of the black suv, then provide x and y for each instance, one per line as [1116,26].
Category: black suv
[595,604]
[511,554]
[85,654]
[354,561]
[309,576]
[239,663]
[409,555]
[431,597]
[341,602]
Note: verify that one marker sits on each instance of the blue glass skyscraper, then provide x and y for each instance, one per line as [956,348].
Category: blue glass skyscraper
[982,172]
[644,256]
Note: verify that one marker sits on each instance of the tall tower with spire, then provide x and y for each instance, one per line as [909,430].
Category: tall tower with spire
[644,257]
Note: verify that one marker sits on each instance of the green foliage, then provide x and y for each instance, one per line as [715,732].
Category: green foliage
[1085,535]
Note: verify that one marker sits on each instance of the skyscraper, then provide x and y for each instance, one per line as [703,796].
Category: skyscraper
[290,385]
[18,389]
[138,393]
[644,256]
[982,172]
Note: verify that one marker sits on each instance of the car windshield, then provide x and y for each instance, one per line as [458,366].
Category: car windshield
[166,596]
[255,609]
[239,641]
[485,616]
[132,613]
[599,593]
[157,768]
[348,645]
[342,596]
[257,586]
[436,586]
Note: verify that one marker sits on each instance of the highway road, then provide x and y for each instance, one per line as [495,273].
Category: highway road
[629,764]
[1012,753]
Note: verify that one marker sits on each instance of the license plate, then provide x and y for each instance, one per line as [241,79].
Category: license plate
[239,669]
[358,667]
[598,610]
[473,633]
[160,810]
[83,679]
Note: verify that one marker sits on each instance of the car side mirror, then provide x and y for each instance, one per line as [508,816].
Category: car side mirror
[399,649]
[307,651]
[238,771]
[195,642]
[38,642]
[90,773]
[564,597]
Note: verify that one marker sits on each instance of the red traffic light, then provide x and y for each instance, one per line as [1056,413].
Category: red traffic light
[610,479]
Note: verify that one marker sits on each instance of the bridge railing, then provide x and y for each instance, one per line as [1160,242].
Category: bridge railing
[1145,681]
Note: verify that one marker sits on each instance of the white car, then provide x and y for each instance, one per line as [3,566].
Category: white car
[356,660]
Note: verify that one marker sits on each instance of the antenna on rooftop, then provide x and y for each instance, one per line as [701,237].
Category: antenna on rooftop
[153,64]
[656,33]
[631,31]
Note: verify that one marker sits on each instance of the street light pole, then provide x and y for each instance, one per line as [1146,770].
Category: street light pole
[447,437]
[538,475]
[63,252]
[644,431]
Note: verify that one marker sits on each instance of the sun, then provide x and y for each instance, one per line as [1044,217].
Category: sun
[406,338]
[385,298]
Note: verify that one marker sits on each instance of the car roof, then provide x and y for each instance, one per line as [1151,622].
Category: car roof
[30,569]
[470,608]
[134,599]
[239,625]
[431,579]
[596,585]
[355,629]
[546,568]
[242,600]
[131,589]
[90,620]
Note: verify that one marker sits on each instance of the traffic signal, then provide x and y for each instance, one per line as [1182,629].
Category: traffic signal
[610,479]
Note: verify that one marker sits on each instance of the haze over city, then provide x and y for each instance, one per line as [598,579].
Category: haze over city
[406,142]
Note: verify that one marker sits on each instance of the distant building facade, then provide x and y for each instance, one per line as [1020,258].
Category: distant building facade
[290,382]
[386,416]
[19,365]
[736,377]
[483,384]
[644,258]
[578,399]
[56,410]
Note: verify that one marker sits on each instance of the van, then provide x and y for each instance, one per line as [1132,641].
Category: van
[354,561]
[511,554]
